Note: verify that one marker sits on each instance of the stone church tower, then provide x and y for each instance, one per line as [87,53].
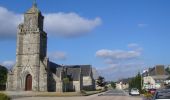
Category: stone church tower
[31,69]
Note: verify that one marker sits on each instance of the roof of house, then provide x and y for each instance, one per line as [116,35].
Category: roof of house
[85,69]
[155,71]
[125,80]
[73,71]
[162,77]
[53,66]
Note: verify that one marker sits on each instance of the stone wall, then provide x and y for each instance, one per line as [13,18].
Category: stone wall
[43,75]
[76,85]
[88,83]
[59,84]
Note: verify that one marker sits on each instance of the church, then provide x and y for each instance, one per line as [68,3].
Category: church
[34,72]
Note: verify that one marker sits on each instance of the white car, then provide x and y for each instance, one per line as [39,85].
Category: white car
[162,95]
[134,91]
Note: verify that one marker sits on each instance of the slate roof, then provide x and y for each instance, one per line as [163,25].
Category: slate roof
[126,80]
[160,77]
[72,71]
[158,72]
[53,66]
[86,70]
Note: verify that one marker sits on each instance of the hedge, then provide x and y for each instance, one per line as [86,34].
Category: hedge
[4,97]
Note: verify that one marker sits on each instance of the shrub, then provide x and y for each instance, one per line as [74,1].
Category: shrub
[83,92]
[105,88]
[148,95]
[143,91]
[4,97]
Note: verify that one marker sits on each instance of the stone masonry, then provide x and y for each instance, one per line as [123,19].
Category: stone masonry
[30,54]
[33,71]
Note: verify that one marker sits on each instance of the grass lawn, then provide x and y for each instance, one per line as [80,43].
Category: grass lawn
[4,97]
[49,94]
[56,94]
[68,94]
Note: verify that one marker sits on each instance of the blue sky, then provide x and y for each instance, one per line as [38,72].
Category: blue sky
[117,37]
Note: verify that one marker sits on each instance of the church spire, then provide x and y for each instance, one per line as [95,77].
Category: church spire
[34,3]
[34,8]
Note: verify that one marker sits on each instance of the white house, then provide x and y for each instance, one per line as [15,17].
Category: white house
[155,77]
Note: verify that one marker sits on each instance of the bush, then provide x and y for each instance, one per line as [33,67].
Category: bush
[105,88]
[2,87]
[83,92]
[4,97]
[148,95]
[3,77]
[143,91]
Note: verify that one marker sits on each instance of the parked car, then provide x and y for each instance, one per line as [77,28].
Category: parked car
[152,91]
[134,91]
[162,95]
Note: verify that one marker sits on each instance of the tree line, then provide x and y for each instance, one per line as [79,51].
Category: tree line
[3,77]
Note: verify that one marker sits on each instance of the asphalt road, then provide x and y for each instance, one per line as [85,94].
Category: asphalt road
[109,95]
[114,93]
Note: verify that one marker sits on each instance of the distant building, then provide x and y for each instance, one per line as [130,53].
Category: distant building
[167,81]
[123,84]
[155,77]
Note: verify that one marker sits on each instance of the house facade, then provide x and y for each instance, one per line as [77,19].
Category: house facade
[122,84]
[155,77]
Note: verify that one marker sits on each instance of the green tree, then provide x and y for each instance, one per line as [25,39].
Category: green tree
[136,82]
[65,83]
[168,70]
[101,81]
[3,75]
[113,84]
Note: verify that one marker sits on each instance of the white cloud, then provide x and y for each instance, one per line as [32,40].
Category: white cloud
[69,24]
[58,55]
[109,61]
[116,62]
[135,47]
[57,24]
[120,71]
[9,21]
[109,55]
[117,54]
[8,64]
